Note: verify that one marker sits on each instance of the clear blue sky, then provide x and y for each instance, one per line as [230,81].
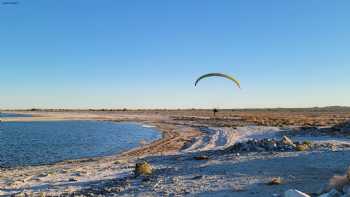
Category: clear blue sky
[147,54]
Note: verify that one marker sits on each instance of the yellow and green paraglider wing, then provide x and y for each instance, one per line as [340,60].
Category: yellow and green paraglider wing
[218,75]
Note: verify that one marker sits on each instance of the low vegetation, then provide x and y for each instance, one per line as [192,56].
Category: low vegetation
[143,168]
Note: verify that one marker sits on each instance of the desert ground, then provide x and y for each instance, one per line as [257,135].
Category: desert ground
[234,153]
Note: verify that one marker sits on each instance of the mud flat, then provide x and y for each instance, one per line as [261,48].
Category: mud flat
[193,158]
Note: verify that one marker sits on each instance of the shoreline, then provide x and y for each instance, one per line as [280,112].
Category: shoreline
[173,137]
[168,133]
[124,153]
[200,168]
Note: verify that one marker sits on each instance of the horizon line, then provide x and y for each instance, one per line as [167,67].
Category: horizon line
[161,108]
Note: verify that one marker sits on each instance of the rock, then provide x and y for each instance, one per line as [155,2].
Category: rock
[143,168]
[64,171]
[275,181]
[332,193]
[72,180]
[35,179]
[44,175]
[270,145]
[201,157]
[287,141]
[146,179]
[197,177]
[76,174]
[267,144]
[295,193]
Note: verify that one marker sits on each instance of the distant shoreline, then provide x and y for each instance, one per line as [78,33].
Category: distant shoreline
[304,108]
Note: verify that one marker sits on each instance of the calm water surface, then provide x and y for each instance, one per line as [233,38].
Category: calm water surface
[33,143]
[12,115]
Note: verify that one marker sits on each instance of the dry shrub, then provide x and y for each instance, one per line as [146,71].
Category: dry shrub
[143,168]
[301,147]
[307,143]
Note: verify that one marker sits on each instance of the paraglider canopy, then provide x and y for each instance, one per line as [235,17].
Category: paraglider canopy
[236,82]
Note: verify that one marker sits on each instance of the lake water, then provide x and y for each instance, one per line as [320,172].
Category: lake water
[33,143]
[12,115]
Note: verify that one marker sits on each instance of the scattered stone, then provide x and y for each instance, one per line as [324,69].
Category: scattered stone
[35,179]
[275,181]
[76,174]
[201,157]
[262,145]
[287,141]
[146,179]
[72,180]
[143,168]
[64,171]
[44,175]
[295,193]
[197,177]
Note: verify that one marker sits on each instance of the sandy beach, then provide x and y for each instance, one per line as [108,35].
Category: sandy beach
[177,169]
